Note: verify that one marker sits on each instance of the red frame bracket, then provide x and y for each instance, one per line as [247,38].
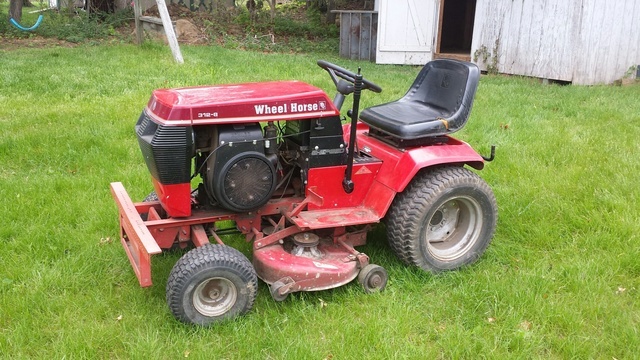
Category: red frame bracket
[136,239]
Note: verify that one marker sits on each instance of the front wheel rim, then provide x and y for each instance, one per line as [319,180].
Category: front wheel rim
[454,228]
[215,296]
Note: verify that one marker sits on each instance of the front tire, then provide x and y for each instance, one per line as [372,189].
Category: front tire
[151,197]
[443,220]
[211,283]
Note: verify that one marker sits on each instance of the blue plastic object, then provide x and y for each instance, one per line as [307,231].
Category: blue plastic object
[35,26]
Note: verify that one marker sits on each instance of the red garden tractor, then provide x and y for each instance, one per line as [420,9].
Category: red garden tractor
[275,160]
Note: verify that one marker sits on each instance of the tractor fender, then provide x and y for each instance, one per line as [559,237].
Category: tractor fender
[400,166]
[409,162]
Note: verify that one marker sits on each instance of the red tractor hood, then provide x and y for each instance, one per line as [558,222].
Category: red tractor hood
[239,103]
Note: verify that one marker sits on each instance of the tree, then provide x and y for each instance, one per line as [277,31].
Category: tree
[272,8]
[252,6]
[15,10]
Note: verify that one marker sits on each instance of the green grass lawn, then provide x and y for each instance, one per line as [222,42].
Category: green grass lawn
[561,278]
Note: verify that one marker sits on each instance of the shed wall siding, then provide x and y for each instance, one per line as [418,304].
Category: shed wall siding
[584,41]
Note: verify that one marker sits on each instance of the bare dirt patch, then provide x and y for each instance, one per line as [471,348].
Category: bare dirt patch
[34,41]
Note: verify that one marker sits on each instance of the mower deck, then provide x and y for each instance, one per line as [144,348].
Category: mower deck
[338,265]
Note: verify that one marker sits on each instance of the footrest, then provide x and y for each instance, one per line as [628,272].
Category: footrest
[320,219]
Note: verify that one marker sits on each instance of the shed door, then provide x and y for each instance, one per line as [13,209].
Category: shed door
[405,33]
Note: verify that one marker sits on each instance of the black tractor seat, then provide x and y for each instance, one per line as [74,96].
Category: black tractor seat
[438,103]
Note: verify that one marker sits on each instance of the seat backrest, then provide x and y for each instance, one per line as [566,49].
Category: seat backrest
[448,86]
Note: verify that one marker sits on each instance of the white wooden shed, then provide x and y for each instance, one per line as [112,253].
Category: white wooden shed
[579,41]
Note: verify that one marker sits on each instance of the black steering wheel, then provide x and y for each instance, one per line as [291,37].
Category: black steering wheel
[336,72]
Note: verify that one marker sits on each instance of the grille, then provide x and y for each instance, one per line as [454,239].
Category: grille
[167,150]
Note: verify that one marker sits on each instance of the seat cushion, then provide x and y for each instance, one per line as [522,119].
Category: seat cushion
[407,119]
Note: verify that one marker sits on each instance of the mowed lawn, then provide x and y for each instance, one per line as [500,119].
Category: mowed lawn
[561,278]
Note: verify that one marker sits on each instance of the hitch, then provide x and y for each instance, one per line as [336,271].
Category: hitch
[492,155]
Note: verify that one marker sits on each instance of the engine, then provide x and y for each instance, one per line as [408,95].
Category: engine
[239,170]
[240,165]
[246,143]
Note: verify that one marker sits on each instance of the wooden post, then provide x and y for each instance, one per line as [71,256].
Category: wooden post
[168,30]
[137,12]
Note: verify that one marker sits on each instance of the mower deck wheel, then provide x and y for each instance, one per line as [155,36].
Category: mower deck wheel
[373,278]
[274,291]
[211,283]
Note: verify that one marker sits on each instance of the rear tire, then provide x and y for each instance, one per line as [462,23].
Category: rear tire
[443,220]
[211,283]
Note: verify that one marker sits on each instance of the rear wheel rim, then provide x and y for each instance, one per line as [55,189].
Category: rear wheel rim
[454,228]
[215,296]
